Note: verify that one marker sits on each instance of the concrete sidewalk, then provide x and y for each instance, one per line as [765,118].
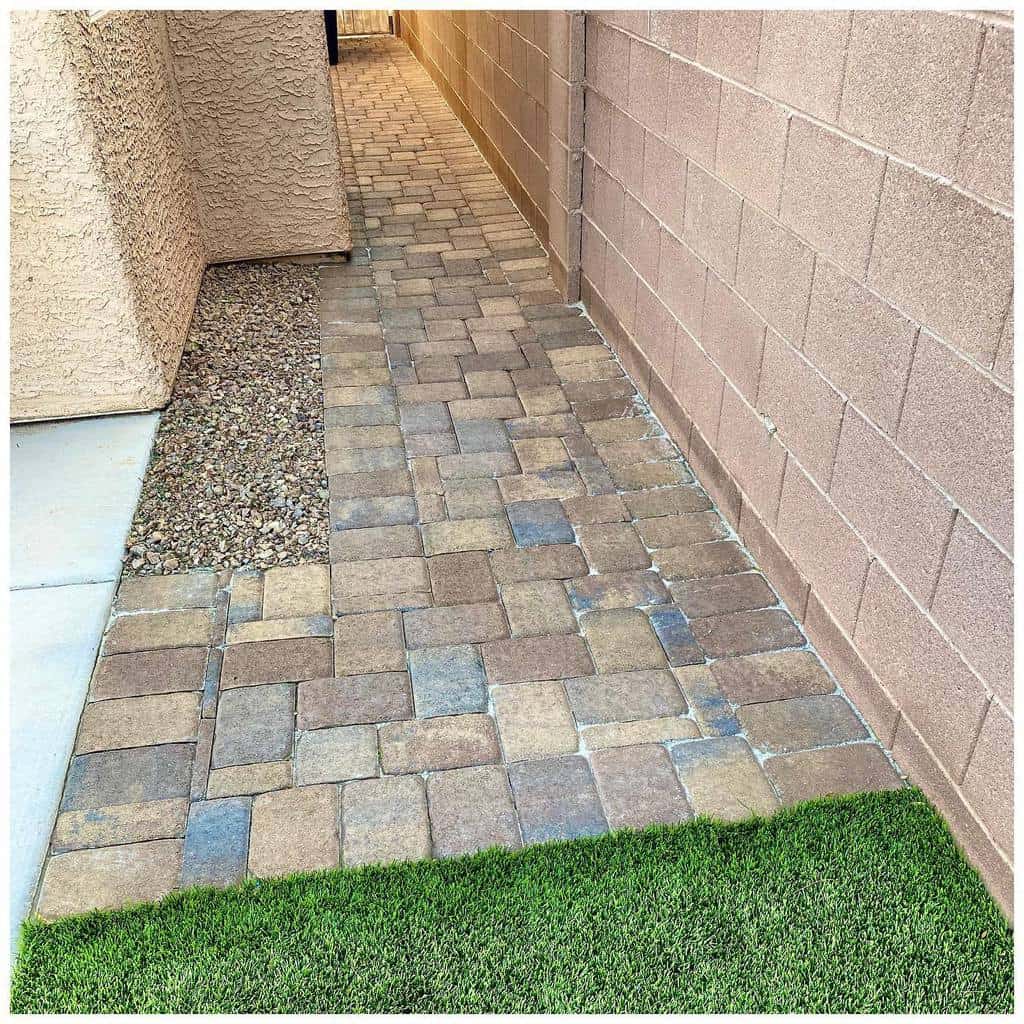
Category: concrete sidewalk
[74,486]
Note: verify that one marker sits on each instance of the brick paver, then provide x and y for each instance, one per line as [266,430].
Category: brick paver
[535,625]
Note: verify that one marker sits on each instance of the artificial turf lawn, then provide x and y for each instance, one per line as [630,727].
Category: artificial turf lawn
[853,904]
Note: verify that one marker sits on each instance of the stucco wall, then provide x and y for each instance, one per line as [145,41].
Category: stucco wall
[105,253]
[798,234]
[117,208]
[259,120]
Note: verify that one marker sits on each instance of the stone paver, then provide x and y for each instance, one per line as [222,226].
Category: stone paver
[471,809]
[556,799]
[133,675]
[354,700]
[254,724]
[294,830]
[448,680]
[216,842]
[534,721]
[638,786]
[335,755]
[535,624]
[384,820]
[138,722]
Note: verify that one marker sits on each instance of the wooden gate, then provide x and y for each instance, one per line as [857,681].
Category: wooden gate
[363,23]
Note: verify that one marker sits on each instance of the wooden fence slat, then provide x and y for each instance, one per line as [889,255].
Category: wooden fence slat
[362,23]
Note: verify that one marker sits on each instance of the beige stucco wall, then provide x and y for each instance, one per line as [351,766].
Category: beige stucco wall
[99,300]
[256,98]
[125,183]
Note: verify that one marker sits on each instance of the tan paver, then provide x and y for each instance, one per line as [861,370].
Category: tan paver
[434,744]
[471,809]
[138,722]
[109,877]
[294,830]
[296,591]
[534,720]
[385,820]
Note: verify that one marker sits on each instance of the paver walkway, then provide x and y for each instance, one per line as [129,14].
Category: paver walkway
[535,624]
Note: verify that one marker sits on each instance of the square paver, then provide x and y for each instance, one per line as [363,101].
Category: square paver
[461,578]
[556,799]
[384,820]
[537,608]
[722,778]
[613,547]
[366,644]
[638,787]
[622,640]
[472,499]
[673,630]
[448,680]
[539,522]
[471,809]
[534,720]
[254,724]
[294,830]
[708,704]
[296,590]
[335,754]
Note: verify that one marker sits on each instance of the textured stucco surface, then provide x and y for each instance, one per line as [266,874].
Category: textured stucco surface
[126,183]
[256,99]
[105,256]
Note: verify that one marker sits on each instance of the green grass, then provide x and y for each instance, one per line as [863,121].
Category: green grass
[852,904]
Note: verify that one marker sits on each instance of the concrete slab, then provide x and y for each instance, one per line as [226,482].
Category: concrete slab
[74,488]
[55,633]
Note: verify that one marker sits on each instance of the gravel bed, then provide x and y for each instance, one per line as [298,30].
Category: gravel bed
[237,476]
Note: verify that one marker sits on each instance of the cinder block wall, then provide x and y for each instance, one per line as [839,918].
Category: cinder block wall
[797,231]
[514,78]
